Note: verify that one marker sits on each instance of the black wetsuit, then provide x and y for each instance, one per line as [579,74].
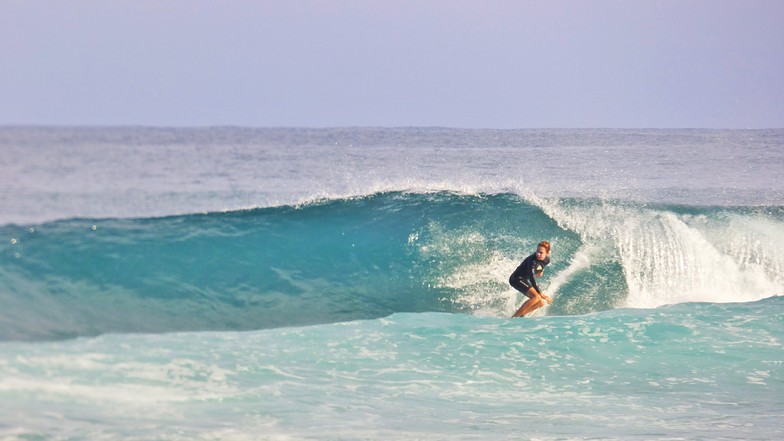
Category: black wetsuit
[523,277]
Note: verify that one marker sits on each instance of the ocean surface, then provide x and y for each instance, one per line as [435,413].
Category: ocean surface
[351,284]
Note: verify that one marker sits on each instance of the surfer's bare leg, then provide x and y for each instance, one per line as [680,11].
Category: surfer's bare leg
[534,302]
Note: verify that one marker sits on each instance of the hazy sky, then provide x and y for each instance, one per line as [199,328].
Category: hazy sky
[478,64]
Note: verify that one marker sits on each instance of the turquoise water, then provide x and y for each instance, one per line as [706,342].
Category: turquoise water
[691,371]
[369,257]
[351,284]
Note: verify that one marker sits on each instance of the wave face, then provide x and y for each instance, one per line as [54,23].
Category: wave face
[372,256]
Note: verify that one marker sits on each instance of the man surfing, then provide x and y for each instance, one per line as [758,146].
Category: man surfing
[524,277]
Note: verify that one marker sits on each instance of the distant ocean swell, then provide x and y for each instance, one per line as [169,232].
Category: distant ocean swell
[372,256]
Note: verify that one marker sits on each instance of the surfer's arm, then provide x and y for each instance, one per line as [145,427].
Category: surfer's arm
[547,298]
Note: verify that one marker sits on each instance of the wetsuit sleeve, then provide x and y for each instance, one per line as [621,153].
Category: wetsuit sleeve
[533,276]
[533,282]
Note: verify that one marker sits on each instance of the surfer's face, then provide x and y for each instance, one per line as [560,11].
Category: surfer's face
[541,253]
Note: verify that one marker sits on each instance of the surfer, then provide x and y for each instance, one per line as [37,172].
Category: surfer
[523,279]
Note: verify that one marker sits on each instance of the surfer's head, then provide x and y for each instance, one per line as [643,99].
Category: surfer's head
[542,250]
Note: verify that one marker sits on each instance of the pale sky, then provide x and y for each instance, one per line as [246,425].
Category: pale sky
[392,63]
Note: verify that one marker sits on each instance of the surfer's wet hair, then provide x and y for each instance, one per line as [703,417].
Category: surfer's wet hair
[544,244]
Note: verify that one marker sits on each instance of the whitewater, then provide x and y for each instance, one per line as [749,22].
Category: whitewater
[351,283]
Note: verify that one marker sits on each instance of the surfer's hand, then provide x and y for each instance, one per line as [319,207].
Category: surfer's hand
[548,299]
